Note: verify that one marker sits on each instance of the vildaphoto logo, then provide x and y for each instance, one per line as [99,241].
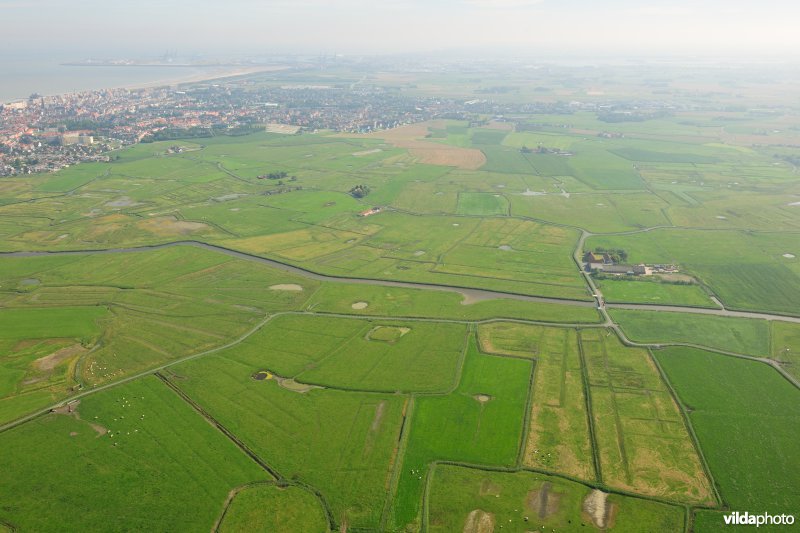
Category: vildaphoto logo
[746,519]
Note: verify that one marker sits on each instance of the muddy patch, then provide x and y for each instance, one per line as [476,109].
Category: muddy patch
[529,192]
[367,152]
[286,287]
[419,253]
[389,334]
[171,226]
[379,411]
[29,282]
[360,305]
[543,502]
[286,383]
[71,409]
[598,509]
[482,398]
[479,521]
[122,202]
[489,489]
[49,362]
[294,386]
[505,248]
[227,197]
[470,297]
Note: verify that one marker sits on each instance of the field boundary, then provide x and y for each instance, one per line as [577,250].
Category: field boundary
[598,470]
[688,423]
[280,484]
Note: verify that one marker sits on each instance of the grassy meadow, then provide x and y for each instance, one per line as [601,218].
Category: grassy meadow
[138,448]
[332,399]
[746,417]
[461,498]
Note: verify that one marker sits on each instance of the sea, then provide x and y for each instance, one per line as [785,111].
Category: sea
[21,77]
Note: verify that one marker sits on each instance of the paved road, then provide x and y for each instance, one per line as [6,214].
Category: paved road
[469,293]
[705,311]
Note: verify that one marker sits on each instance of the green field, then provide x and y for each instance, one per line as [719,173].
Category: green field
[759,277]
[747,418]
[786,346]
[482,204]
[356,354]
[558,435]
[128,448]
[480,423]
[269,507]
[643,444]
[341,443]
[522,501]
[627,290]
[740,335]
[281,355]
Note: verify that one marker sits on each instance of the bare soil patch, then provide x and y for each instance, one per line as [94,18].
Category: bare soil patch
[286,383]
[379,411]
[482,398]
[171,226]
[294,386]
[495,125]
[286,287]
[71,409]
[49,362]
[543,502]
[470,297]
[283,129]
[597,508]
[449,156]
[360,305]
[479,521]
[367,152]
[411,137]
[124,201]
[676,277]
[489,489]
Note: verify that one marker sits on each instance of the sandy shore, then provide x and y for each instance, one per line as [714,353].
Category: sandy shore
[213,73]
[193,75]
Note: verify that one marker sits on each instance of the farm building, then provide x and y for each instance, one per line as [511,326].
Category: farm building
[632,270]
[368,212]
[596,261]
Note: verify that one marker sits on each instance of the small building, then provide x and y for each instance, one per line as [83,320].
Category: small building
[369,212]
[596,261]
[594,257]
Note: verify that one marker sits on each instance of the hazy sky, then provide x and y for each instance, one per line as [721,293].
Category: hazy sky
[105,28]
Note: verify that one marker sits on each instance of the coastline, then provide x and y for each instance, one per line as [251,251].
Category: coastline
[211,73]
[206,76]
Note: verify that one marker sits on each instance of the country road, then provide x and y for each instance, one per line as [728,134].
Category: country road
[470,293]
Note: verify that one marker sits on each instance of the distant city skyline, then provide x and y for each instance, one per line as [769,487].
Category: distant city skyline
[91,28]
